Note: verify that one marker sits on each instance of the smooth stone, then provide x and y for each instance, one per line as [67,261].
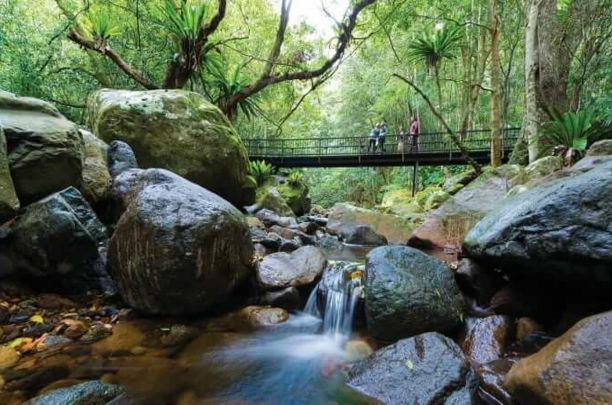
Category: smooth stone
[282,270]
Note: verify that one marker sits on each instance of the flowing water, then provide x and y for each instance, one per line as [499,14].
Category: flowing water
[300,362]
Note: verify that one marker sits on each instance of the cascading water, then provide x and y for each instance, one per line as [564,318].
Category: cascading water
[299,362]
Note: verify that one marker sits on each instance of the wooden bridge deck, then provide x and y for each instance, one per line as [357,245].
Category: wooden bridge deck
[435,149]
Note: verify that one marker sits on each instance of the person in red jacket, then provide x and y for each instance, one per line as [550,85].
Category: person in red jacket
[415,128]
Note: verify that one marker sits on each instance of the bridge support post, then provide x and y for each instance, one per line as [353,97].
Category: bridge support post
[415,183]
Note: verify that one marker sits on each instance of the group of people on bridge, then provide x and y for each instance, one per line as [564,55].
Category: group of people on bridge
[376,139]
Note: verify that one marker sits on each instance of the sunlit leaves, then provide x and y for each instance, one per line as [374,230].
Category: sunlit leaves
[432,48]
[100,25]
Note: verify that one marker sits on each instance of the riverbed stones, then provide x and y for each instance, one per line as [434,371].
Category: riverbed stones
[180,131]
[91,392]
[299,268]
[560,231]
[9,203]
[96,177]
[425,369]
[408,292]
[271,199]
[178,248]
[121,158]
[486,338]
[442,232]
[45,150]
[572,369]
[54,236]
[344,217]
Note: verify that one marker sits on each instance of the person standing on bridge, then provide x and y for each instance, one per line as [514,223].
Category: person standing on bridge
[415,128]
[373,139]
[381,137]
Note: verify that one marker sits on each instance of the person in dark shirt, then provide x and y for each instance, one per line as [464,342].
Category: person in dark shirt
[373,138]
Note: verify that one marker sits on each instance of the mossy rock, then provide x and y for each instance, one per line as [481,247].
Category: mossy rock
[180,131]
[270,198]
[296,196]
[9,203]
[400,202]
[436,199]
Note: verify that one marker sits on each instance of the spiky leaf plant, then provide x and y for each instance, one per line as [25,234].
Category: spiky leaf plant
[100,25]
[260,170]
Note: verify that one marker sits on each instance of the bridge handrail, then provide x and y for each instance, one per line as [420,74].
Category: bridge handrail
[430,142]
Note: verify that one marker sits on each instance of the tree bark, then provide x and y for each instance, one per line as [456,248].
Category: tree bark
[496,130]
[531,119]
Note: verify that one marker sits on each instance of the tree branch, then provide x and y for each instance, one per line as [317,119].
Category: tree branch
[106,50]
[449,131]
[229,104]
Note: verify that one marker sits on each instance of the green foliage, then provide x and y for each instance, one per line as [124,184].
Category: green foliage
[261,171]
[100,25]
[185,23]
[295,178]
[574,130]
[228,82]
[432,48]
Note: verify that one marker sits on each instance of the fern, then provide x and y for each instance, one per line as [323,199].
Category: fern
[260,170]
[100,26]
[185,23]
[295,178]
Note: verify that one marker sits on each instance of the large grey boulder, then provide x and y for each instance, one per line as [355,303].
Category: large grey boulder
[408,292]
[120,158]
[560,230]
[87,393]
[178,248]
[180,131]
[299,268]
[54,236]
[45,150]
[9,203]
[426,369]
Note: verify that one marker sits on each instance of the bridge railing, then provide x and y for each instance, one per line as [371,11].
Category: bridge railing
[432,142]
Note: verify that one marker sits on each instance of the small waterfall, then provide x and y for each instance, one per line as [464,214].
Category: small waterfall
[341,287]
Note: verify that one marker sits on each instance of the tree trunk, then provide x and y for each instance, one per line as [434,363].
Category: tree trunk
[531,119]
[496,130]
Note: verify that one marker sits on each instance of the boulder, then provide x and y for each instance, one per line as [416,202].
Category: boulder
[96,177]
[443,230]
[296,195]
[270,218]
[179,131]
[408,292]
[45,150]
[426,369]
[572,369]
[600,148]
[486,338]
[299,268]
[288,299]
[248,319]
[360,235]
[92,392]
[178,248]
[121,158]
[53,236]
[270,199]
[401,203]
[9,203]
[393,228]
[560,231]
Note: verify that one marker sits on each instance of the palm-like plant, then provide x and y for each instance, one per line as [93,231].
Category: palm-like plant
[185,23]
[100,26]
[260,170]
[434,48]
[228,82]
[570,133]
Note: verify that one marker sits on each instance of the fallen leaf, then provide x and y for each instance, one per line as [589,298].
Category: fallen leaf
[409,365]
[37,319]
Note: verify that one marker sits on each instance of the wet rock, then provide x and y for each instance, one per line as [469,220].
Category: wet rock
[9,203]
[96,178]
[426,369]
[361,235]
[178,248]
[54,236]
[255,223]
[486,338]
[408,292]
[121,158]
[271,199]
[270,218]
[179,131]
[478,281]
[491,377]
[289,246]
[247,319]
[345,216]
[559,231]
[92,392]
[309,228]
[8,357]
[526,326]
[357,350]
[45,149]
[445,228]
[572,369]
[288,299]
[124,338]
[178,335]
[282,270]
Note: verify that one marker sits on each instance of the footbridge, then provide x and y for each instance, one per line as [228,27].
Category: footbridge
[434,149]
